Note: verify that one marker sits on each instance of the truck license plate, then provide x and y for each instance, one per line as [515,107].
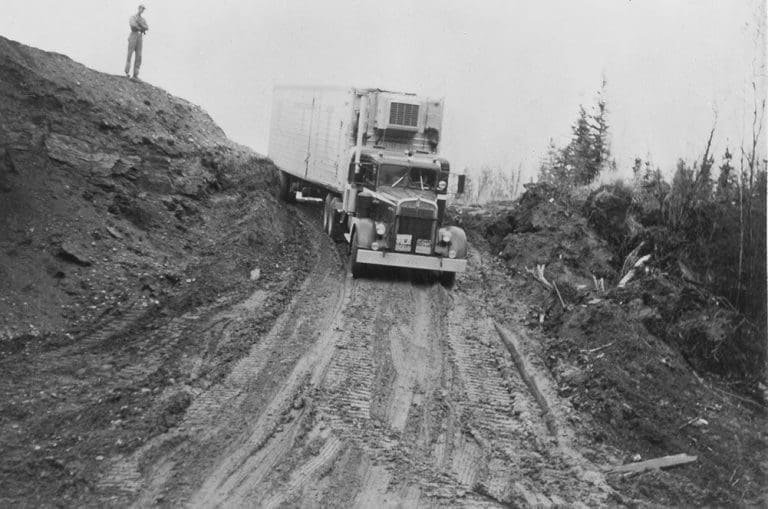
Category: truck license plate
[403,242]
[423,246]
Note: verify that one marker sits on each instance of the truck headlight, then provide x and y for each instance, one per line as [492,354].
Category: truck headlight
[442,185]
[375,246]
[381,229]
[451,253]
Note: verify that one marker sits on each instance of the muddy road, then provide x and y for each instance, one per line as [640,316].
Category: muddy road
[386,390]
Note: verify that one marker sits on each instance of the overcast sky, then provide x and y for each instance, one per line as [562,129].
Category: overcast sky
[512,73]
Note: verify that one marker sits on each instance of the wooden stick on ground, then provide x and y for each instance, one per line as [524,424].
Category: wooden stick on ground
[562,303]
[688,422]
[593,350]
[538,275]
[663,462]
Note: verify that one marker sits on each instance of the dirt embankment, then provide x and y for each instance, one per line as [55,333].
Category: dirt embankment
[100,179]
[642,361]
[125,213]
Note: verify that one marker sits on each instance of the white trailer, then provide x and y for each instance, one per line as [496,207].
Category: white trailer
[314,129]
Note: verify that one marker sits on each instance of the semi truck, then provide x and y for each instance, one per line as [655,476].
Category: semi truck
[372,156]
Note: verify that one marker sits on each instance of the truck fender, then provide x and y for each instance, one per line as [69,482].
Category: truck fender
[458,241]
[366,232]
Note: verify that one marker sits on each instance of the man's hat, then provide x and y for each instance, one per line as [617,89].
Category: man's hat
[141,6]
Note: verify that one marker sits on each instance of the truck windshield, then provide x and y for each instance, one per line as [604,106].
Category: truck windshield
[405,176]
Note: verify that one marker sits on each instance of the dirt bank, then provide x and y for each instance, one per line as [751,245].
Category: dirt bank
[622,356]
[125,216]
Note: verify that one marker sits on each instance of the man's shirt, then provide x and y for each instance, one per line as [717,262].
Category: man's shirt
[138,24]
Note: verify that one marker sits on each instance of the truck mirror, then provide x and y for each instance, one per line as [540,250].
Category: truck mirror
[460,185]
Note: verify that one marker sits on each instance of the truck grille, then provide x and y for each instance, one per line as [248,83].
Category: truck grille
[404,114]
[418,227]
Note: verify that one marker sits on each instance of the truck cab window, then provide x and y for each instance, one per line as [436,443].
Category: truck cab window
[393,175]
[423,178]
[366,176]
[403,176]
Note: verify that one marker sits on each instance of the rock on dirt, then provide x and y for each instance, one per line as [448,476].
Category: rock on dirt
[73,253]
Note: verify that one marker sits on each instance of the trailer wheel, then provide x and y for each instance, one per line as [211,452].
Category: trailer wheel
[284,192]
[447,279]
[326,214]
[356,268]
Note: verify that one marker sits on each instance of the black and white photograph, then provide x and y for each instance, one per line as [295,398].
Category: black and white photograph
[346,253]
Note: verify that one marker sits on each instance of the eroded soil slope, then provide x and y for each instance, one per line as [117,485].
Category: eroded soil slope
[123,212]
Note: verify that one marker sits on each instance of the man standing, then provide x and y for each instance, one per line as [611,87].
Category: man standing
[138,28]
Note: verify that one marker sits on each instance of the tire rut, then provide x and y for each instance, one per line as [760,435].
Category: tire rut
[403,393]
[233,415]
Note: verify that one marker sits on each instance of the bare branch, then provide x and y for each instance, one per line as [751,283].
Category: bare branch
[538,275]
[629,275]
[562,302]
[599,284]
[706,164]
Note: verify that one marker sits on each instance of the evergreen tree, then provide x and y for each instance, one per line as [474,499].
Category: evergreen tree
[586,155]
[726,182]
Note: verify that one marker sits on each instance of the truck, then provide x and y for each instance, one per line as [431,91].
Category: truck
[371,156]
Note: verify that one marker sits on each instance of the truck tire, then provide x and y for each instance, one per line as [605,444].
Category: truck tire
[284,192]
[447,279]
[331,219]
[357,269]
[326,213]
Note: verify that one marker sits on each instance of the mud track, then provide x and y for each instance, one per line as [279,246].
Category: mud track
[381,391]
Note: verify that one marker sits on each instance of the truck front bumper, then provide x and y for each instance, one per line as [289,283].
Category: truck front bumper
[411,261]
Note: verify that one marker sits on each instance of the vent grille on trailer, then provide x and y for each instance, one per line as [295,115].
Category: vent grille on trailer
[404,114]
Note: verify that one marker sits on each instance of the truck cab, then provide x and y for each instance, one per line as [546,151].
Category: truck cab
[394,207]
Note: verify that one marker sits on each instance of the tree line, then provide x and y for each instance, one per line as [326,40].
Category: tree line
[707,224]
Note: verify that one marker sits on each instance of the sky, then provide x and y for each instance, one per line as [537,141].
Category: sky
[512,73]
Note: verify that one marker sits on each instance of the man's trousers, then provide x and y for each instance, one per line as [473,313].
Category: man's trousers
[134,46]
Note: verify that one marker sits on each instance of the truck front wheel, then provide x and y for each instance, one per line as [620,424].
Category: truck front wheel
[331,219]
[357,268]
[447,279]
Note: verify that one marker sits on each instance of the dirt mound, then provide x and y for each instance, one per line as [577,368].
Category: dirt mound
[539,230]
[100,176]
[635,348]
[126,215]
[607,211]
